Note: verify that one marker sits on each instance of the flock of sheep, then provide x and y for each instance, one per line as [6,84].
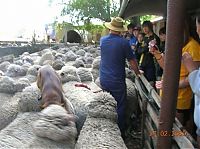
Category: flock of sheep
[24,125]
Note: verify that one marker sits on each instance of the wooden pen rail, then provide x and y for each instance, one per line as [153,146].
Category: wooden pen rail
[149,102]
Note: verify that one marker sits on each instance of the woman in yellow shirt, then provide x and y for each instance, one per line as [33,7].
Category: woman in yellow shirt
[184,93]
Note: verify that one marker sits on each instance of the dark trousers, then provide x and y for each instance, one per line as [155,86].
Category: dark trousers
[118,91]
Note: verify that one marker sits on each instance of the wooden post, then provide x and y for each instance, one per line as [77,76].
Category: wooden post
[174,43]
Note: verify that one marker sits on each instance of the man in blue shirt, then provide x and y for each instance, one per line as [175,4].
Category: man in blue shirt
[114,52]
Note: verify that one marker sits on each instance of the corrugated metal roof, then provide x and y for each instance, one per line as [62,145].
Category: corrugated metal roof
[131,8]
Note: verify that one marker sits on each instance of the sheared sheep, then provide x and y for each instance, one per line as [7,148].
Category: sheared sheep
[68,73]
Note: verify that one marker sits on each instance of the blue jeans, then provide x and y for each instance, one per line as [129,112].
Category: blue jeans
[118,91]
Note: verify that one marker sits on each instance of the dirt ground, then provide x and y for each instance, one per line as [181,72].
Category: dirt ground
[133,139]
[133,142]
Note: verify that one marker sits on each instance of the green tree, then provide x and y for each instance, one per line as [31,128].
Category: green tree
[87,9]
[146,17]
[82,11]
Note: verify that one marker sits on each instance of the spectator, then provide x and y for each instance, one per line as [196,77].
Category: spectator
[194,80]
[136,31]
[184,93]
[129,33]
[133,40]
[147,61]
[139,46]
[114,52]
[162,36]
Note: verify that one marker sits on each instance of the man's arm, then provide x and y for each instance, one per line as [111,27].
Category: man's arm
[134,66]
[188,62]
[157,54]
[159,58]
[184,83]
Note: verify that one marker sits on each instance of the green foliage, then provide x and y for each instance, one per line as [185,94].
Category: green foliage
[91,28]
[87,9]
[50,2]
[146,17]
[84,11]
[64,25]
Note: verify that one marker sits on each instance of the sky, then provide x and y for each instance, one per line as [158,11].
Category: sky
[25,16]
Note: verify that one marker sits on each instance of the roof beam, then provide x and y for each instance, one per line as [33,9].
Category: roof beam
[123,7]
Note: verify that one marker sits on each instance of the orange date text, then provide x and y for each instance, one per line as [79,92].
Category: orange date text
[165,133]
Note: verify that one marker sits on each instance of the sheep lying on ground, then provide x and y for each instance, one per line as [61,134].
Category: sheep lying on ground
[20,134]
[14,70]
[80,97]
[58,64]
[85,74]
[95,68]
[70,56]
[78,63]
[80,52]
[68,73]
[24,101]
[33,129]
[33,70]
[4,66]
[56,120]
[100,129]
[32,73]
[132,105]
[47,58]
[26,58]
[28,99]
[8,109]
[10,86]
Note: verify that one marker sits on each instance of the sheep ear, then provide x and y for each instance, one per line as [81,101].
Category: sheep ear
[40,98]
[43,106]
[39,80]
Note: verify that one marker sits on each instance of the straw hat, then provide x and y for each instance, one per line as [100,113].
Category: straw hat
[117,24]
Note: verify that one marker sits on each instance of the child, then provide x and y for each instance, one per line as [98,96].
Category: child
[139,46]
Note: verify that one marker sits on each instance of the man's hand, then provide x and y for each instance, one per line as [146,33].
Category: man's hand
[141,71]
[188,62]
[133,47]
[153,48]
[134,66]
[159,84]
[184,83]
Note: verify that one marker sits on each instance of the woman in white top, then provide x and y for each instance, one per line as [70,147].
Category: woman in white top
[194,80]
